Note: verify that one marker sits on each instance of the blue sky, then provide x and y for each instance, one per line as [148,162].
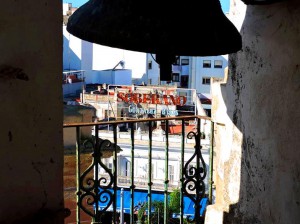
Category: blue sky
[78,3]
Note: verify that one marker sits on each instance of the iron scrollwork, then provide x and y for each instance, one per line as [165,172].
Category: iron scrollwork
[92,188]
[193,184]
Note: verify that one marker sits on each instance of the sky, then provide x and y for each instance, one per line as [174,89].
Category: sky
[78,3]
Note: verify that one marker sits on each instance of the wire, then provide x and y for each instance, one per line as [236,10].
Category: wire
[153,58]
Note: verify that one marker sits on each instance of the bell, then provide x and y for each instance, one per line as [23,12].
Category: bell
[261,2]
[165,28]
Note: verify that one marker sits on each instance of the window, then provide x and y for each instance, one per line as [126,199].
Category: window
[147,170]
[127,168]
[182,94]
[175,77]
[206,64]
[171,173]
[177,61]
[185,61]
[109,164]
[218,64]
[206,80]
[184,81]
[149,65]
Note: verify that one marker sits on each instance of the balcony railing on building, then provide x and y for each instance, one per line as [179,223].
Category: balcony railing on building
[73,82]
[146,165]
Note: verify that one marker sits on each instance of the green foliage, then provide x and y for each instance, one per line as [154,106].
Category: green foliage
[158,213]
[157,208]
[202,135]
[174,203]
[141,211]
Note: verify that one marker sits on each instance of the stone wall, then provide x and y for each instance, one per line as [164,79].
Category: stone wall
[257,157]
[31,141]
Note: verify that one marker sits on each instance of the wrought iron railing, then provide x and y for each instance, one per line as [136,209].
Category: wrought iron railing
[98,185]
[142,182]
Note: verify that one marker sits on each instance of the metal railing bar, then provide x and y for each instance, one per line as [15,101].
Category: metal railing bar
[97,157]
[66,125]
[166,174]
[198,177]
[181,170]
[78,173]
[115,166]
[122,182]
[149,173]
[132,187]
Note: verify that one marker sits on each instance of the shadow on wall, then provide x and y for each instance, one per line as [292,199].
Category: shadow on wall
[70,60]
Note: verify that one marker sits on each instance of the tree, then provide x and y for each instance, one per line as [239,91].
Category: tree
[174,204]
[157,209]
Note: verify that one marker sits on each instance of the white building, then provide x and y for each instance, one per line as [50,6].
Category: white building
[110,76]
[98,64]
[190,72]
[121,101]
[82,55]
[66,8]
[141,163]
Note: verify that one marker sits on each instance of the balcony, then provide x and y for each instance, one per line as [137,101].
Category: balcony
[73,82]
[146,167]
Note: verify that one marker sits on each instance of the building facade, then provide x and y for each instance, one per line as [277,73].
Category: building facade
[130,101]
[158,176]
[83,55]
[190,72]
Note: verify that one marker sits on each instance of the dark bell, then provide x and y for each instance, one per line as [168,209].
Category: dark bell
[261,2]
[165,28]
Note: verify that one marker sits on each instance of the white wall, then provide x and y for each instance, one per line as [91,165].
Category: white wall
[107,58]
[87,49]
[83,55]
[65,8]
[113,77]
[207,72]
[122,77]
[71,51]
[91,77]
[153,73]
[72,88]
[105,77]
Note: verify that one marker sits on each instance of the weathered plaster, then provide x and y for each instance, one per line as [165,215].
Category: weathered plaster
[31,166]
[258,176]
